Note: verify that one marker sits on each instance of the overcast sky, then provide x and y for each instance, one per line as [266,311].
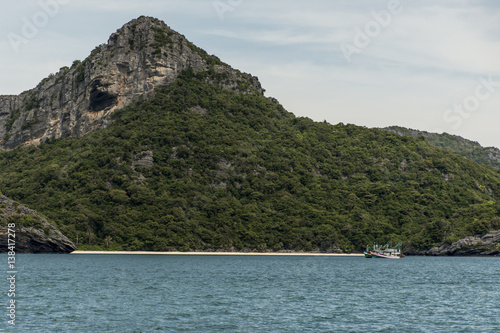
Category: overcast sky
[432,65]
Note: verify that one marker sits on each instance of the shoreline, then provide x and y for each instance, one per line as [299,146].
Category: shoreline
[178,253]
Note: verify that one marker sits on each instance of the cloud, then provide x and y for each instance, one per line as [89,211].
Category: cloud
[431,36]
[195,7]
[450,39]
[280,36]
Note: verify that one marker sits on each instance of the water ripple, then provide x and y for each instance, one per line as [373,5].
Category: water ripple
[82,293]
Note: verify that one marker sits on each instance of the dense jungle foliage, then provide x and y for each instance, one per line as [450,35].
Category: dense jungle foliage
[200,167]
[456,144]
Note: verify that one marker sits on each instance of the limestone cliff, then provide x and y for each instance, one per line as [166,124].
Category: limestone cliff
[141,56]
[33,233]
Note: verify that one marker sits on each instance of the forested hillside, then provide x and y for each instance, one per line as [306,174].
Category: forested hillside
[456,144]
[200,167]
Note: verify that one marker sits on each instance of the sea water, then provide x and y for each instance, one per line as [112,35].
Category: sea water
[152,293]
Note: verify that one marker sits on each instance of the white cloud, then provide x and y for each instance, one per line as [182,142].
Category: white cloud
[195,7]
[281,36]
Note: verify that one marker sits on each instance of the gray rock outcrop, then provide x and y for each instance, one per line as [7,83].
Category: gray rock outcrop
[33,233]
[479,245]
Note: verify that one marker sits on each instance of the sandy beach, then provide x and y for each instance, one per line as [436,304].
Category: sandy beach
[310,254]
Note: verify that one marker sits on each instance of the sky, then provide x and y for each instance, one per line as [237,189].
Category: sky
[431,65]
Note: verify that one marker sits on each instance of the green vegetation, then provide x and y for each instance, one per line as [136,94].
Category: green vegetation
[80,74]
[26,221]
[456,144]
[12,119]
[79,71]
[32,102]
[247,174]
[162,37]
[95,52]
[29,124]
[21,221]
[209,59]
[45,80]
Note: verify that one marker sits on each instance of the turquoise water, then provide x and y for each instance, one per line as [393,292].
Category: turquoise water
[126,293]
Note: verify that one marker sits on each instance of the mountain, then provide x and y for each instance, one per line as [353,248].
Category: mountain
[456,144]
[141,56]
[205,161]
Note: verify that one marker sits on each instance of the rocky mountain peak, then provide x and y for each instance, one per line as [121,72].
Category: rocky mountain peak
[140,30]
[138,58]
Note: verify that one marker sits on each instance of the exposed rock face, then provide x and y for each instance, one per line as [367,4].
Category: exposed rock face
[33,233]
[143,159]
[141,56]
[493,154]
[479,245]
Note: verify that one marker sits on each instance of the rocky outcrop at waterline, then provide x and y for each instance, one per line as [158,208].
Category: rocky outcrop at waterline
[33,233]
[479,245]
